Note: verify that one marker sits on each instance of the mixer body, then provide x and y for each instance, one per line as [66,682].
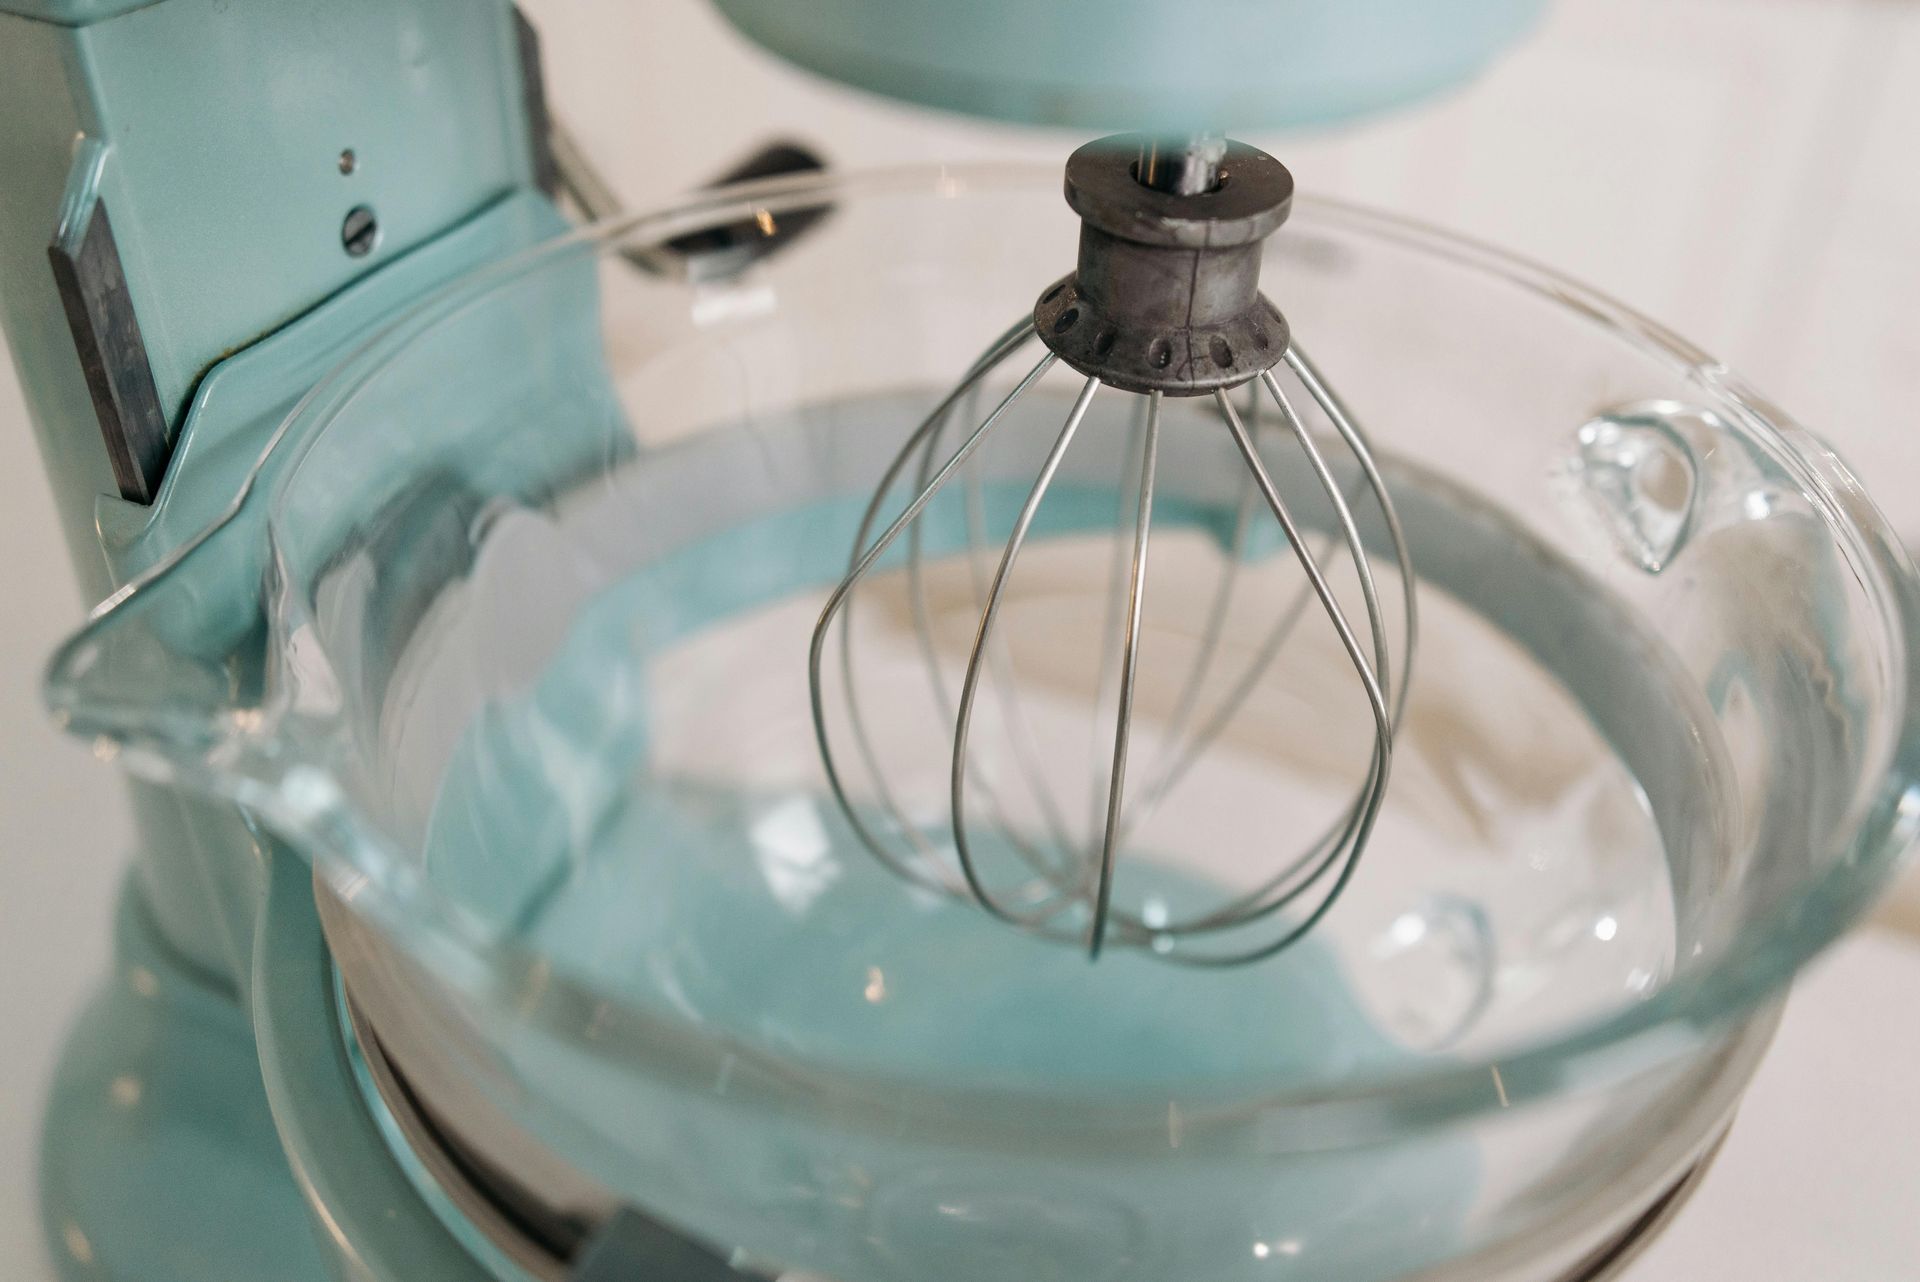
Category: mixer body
[169,293]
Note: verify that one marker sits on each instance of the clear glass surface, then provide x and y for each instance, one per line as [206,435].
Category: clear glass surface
[540,566]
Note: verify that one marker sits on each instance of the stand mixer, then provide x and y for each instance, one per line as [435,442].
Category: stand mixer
[504,908]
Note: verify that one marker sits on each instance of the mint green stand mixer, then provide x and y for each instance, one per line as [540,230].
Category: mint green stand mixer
[493,917]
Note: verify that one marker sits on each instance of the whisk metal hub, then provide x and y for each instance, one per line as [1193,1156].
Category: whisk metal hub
[1166,296]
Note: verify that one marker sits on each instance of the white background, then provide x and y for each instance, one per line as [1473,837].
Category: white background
[1746,170]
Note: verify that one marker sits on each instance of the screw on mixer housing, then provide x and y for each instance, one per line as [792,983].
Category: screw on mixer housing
[1166,297]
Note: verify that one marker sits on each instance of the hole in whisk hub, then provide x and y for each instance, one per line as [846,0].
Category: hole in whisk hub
[1221,353]
[1219,181]
[1066,320]
[1103,341]
[1160,353]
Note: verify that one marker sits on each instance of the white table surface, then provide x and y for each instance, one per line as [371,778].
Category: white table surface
[1740,168]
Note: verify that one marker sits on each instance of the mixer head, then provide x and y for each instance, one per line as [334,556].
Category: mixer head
[1088,64]
[1164,302]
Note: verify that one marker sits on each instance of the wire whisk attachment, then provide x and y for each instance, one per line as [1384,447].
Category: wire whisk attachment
[1164,303]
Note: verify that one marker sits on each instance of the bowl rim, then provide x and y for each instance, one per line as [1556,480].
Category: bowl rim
[1697,1009]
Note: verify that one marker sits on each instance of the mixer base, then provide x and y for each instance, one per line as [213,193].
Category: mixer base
[547,1243]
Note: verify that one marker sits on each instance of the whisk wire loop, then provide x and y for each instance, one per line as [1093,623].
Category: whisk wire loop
[1376,676]
[1285,886]
[970,683]
[864,557]
[1129,668]
[1048,863]
[1348,426]
[1344,850]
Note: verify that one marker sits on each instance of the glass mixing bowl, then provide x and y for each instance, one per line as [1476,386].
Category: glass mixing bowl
[538,568]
